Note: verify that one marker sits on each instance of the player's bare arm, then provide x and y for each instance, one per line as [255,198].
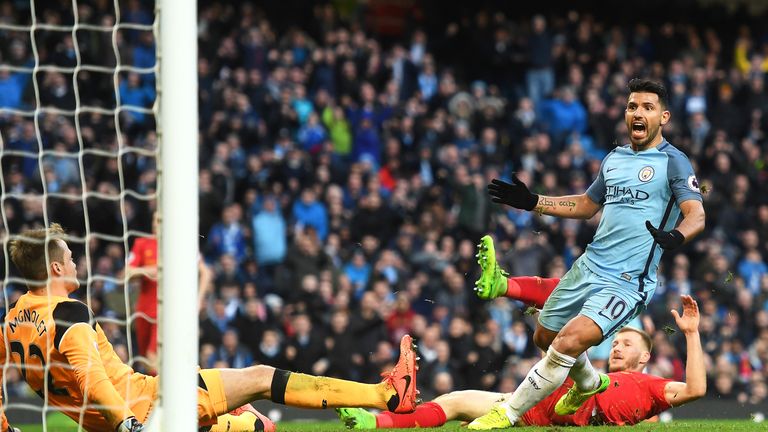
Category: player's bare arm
[569,206]
[517,195]
[695,385]
[693,219]
[691,225]
[145,271]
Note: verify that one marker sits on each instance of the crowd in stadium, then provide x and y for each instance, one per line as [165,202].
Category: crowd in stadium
[343,174]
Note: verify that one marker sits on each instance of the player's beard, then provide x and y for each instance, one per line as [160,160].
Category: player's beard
[628,365]
[652,133]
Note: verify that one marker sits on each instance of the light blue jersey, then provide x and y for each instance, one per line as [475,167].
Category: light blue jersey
[634,187]
[613,281]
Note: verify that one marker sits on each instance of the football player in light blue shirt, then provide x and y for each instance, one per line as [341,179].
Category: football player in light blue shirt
[643,188]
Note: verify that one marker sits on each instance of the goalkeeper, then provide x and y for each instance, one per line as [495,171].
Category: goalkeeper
[64,355]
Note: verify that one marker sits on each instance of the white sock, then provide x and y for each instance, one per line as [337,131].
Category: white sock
[543,379]
[584,374]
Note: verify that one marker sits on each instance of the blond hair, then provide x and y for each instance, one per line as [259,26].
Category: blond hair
[643,335]
[28,251]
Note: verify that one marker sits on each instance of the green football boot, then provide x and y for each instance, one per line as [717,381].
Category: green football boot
[356,418]
[493,279]
[570,402]
[495,419]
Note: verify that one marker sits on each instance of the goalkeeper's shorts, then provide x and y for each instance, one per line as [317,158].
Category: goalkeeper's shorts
[211,400]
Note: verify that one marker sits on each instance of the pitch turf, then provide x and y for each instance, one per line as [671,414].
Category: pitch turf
[59,423]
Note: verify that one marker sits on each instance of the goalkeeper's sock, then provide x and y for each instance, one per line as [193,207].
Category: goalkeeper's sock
[426,415]
[584,374]
[543,379]
[309,391]
[531,290]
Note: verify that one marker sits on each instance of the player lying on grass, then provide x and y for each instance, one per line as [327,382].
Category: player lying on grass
[64,356]
[631,397]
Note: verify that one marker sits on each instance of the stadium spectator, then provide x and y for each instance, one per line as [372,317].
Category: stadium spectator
[259,79]
[269,234]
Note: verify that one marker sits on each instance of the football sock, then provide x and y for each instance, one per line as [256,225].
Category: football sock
[543,378]
[584,374]
[426,415]
[244,422]
[531,290]
[309,391]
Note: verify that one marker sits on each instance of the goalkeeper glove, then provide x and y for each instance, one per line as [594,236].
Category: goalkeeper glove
[13,429]
[514,195]
[130,425]
[668,240]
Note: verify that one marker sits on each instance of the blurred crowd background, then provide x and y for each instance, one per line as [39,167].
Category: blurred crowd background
[344,153]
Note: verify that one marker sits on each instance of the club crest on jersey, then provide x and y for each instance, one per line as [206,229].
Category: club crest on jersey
[693,183]
[646,174]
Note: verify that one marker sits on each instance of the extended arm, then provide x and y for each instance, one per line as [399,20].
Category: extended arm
[517,195]
[695,385]
[136,265]
[79,347]
[78,340]
[568,206]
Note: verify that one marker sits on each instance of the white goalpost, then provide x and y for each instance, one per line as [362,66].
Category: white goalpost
[176,189]
[178,133]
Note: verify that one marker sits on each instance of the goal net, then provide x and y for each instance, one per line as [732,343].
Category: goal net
[80,127]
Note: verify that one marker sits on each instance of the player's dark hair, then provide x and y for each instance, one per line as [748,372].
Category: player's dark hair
[28,252]
[643,335]
[640,85]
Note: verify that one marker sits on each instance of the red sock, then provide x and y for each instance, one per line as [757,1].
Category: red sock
[426,415]
[531,290]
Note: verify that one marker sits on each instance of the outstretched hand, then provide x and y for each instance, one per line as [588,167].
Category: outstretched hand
[689,321]
[515,194]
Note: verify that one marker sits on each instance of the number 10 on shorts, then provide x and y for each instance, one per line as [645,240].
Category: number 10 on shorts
[614,308]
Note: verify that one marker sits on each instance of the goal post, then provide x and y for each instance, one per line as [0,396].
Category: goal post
[96,117]
[178,190]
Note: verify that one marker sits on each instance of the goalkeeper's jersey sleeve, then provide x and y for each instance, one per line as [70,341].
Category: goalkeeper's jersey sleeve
[62,353]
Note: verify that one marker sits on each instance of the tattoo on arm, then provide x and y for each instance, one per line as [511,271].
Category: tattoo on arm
[546,204]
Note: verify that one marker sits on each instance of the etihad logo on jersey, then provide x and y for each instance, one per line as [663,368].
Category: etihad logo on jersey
[624,195]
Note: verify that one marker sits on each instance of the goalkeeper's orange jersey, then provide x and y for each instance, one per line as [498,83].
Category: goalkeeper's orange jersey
[62,353]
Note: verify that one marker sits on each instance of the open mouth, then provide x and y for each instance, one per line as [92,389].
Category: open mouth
[638,126]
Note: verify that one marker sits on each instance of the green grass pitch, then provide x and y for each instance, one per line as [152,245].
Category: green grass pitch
[60,423]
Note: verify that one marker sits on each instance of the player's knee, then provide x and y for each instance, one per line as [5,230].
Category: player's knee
[259,370]
[570,345]
[456,405]
[450,399]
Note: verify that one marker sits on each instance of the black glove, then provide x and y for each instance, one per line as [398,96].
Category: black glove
[514,195]
[13,429]
[130,425]
[668,240]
